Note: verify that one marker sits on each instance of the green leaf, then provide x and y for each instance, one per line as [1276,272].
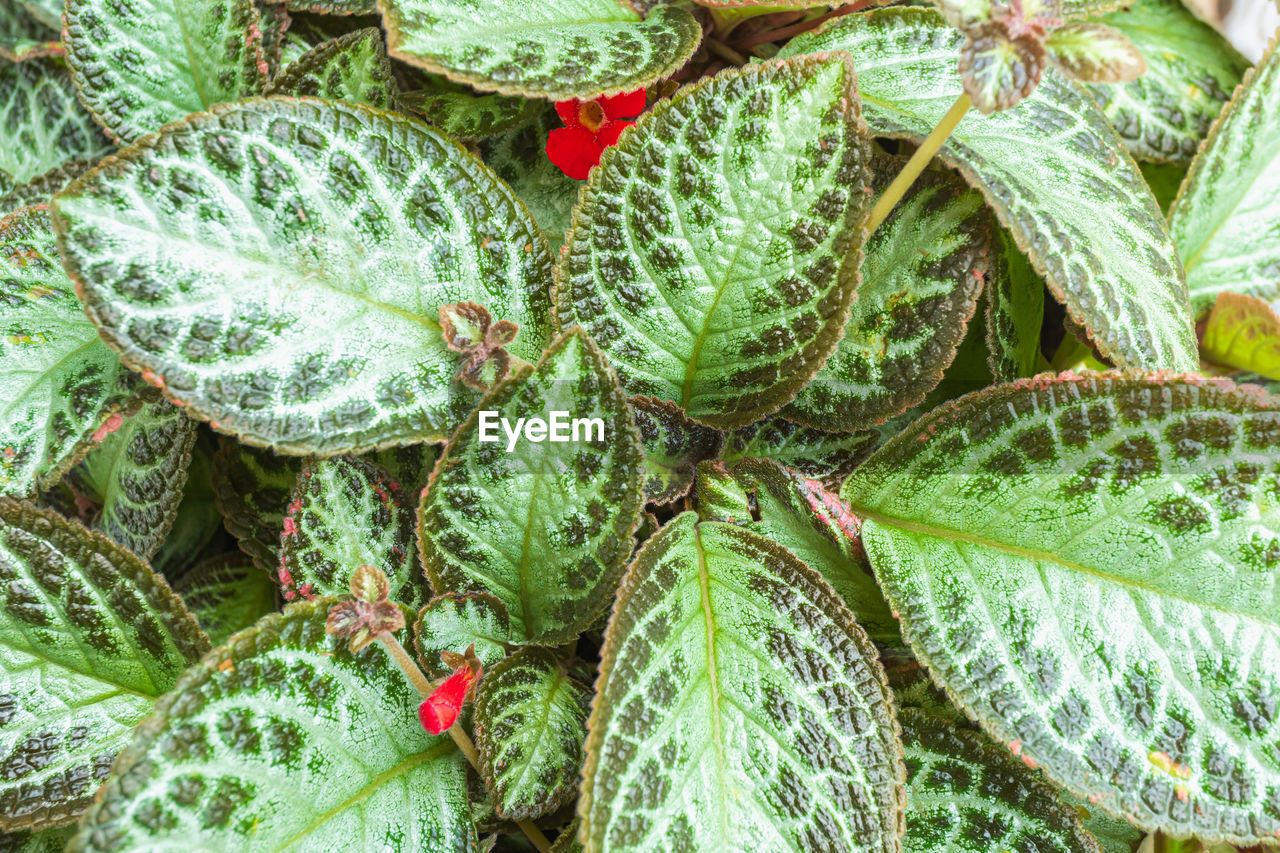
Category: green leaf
[1112,835]
[545,527]
[332,7]
[42,187]
[325,258]
[922,274]
[1052,169]
[519,156]
[140,64]
[1014,299]
[274,20]
[198,519]
[1089,565]
[467,116]
[998,68]
[42,125]
[89,639]
[567,840]
[1095,53]
[22,37]
[1164,179]
[961,787]
[409,465]
[673,446]
[1191,71]
[252,488]
[1243,332]
[530,721]
[456,620]
[64,390]
[227,594]
[557,49]
[45,841]
[714,251]
[827,457]
[346,513]
[739,707]
[137,475]
[353,67]
[47,12]
[285,739]
[1226,219]
[810,522]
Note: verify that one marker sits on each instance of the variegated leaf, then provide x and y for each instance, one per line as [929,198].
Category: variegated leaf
[1089,564]
[409,465]
[673,446]
[1095,53]
[285,739]
[557,49]
[274,20]
[456,620]
[198,520]
[90,637]
[519,156]
[332,7]
[353,67]
[253,489]
[227,594]
[465,115]
[738,707]
[714,251]
[42,187]
[265,305]
[42,124]
[1243,332]
[1014,314]
[545,527]
[530,722]
[22,37]
[998,68]
[1053,170]
[827,457]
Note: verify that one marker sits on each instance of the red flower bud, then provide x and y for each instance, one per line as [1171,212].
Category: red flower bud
[442,707]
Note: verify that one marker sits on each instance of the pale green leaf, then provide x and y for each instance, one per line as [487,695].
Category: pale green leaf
[530,722]
[42,187]
[227,594]
[22,37]
[543,525]
[90,637]
[1095,53]
[42,125]
[140,64]
[922,273]
[137,475]
[739,707]
[999,69]
[1191,71]
[827,457]
[1113,835]
[557,49]
[252,488]
[45,841]
[256,259]
[353,67]
[47,12]
[1014,300]
[1053,170]
[1243,332]
[284,739]
[519,156]
[1226,219]
[457,620]
[465,115]
[673,446]
[1090,564]
[63,389]
[714,251]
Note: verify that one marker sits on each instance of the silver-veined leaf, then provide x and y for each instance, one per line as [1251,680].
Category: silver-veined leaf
[409,465]
[255,260]
[715,248]
[252,488]
[465,115]
[543,525]
[1090,564]
[557,49]
[1226,218]
[827,457]
[519,156]
[530,721]
[90,637]
[22,37]
[331,7]
[140,64]
[63,389]
[44,841]
[285,739]
[738,707]
[673,446]
[42,124]
[1014,312]
[457,620]
[41,188]
[1054,171]
[227,594]
[353,67]
[274,20]
[999,69]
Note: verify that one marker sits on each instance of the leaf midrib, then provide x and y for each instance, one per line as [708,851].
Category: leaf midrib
[712,673]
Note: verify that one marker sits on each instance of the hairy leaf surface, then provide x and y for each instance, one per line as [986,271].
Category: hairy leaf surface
[140,64]
[90,637]
[738,707]
[545,527]
[227,594]
[253,488]
[1226,218]
[827,457]
[530,721]
[285,739]
[42,125]
[1243,332]
[353,67]
[714,250]
[256,259]
[1090,565]
[1054,171]
[62,388]
[555,49]
[673,446]
[456,620]
[1014,313]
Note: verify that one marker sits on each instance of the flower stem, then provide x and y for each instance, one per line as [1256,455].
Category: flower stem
[406,663]
[911,171]
[723,51]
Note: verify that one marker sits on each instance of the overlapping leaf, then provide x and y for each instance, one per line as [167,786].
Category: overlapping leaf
[47,12]
[332,7]
[89,639]
[253,488]
[530,722]
[1191,71]
[544,526]
[464,115]
[137,475]
[738,707]
[1089,565]
[1054,171]
[42,187]
[227,594]
[42,125]
[22,37]
[673,446]
[63,389]
[285,739]
[409,465]
[353,67]
[139,64]
[1014,314]
[198,520]
[519,156]
[922,274]
[256,259]
[1243,332]
[457,620]
[555,49]
[45,841]
[827,457]
[1226,219]
[714,251]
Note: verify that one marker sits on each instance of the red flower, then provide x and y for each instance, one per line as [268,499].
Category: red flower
[441,709]
[590,127]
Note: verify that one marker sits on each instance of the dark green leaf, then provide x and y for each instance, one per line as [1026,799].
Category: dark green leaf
[519,156]
[456,620]
[462,114]
[227,594]
[353,67]
[673,446]
[827,457]
[1014,299]
[198,520]
[252,488]
[42,124]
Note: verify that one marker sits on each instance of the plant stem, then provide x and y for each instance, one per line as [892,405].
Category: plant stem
[406,663]
[920,159]
[725,52]
[796,29]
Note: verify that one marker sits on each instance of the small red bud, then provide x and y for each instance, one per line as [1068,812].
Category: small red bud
[442,707]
